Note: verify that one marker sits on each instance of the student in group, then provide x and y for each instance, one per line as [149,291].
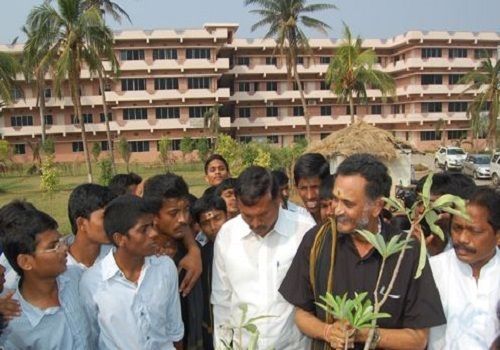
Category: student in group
[216,169]
[309,170]
[131,296]
[225,190]
[122,184]
[51,315]
[210,214]
[283,183]
[326,207]
[86,215]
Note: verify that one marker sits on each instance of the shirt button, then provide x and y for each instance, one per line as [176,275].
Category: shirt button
[147,338]
[142,313]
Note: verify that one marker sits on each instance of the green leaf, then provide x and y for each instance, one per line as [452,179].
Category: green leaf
[250,328]
[422,258]
[456,212]
[431,217]
[426,190]
[376,240]
[448,200]
[394,203]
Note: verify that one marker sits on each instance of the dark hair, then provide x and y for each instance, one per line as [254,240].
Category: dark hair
[21,239]
[280,177]
[326,187]
[226,184]
[207,203]
[215,157]
[310,165]
[191,198]
[10,215]
[489,199]
[84,200]
[123,213]
[120,183]
[165,186]
[253,183]
[456,184]
[372,170]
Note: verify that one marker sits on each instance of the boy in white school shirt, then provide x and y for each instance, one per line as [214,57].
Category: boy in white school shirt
[131,296]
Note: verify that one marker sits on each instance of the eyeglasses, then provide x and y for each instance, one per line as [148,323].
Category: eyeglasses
[59,247]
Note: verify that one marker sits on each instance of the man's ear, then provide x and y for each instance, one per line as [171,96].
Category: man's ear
[25,261]
[80,223]
[378,205]
[118,239]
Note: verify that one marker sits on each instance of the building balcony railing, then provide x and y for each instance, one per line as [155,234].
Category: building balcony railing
[176,65]
[143,95]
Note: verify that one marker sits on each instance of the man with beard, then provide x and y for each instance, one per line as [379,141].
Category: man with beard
[467,277]
[338,260]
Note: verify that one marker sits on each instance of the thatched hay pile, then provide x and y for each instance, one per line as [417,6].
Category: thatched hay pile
[360,138]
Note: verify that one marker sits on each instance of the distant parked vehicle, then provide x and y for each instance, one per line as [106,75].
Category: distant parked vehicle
[477,166]
[495,169]
[450,158]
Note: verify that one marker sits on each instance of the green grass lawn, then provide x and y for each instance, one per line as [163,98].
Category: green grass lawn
[16,186]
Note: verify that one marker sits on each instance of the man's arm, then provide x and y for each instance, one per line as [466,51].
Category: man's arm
[398,339]
[309,324]
[191,263]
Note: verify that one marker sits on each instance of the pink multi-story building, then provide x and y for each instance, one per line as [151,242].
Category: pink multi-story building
[170,77]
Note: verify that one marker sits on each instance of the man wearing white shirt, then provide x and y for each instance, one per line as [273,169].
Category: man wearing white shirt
[468,277]
[252,254]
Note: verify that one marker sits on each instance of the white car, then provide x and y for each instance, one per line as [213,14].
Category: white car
[450,158]
[495,169]
[477,166]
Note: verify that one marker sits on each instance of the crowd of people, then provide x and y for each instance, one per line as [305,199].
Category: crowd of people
[150,266]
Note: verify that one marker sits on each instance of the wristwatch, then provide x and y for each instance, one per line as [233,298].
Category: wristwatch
[375,339]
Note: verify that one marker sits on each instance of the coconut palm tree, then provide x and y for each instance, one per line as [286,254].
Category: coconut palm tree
[111,8]
[211,121]
[486,81]
[285,20]
[8,69]
[77,37]
[351,71]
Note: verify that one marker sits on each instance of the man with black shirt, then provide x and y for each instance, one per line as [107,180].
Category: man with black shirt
[414,305]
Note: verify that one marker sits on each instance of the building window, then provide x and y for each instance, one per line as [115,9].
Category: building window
[299,138]
[256,86]
[324,85]
[197,111]
[298,111]
[296,86]
[457,134]
[48,119]
[454,79]
[431,79]
[17,93]
[104,146]
[483,53]
[199,83]
[77,146]
[376,109]
[21,120]
[244,112]
[300,60]
[326,110]
[243,61]
[47,93]
[245,139]
[138,146]
[348,110]
[271,61]
[272,111]
[131,55]
[324,60]
[164,54]
[176,145]
[324,135]
[197,53]
[430,135]
[457,53]
[168,113]
[271,86]
[431,52]
[135,113]
[274,139]
[244,86]
[133,84]
[19,148]
[87,118]
[457,106]
[103,120]
[431,107]
[166,83]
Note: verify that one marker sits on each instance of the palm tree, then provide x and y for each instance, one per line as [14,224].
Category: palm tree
[486,81]
[109,7]
[211,121]
[440,128]
[284,19]
[77,37]
[8,69]
[351,71]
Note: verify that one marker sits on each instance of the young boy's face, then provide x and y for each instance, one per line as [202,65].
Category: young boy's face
[140,240]
[230,199]
[211,221]
[49,258]
[308,189]
[173,218]
[94,226]
[325,209]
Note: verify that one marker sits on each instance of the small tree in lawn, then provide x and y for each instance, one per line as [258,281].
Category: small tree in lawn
[232,152]
[164,147]
[124,151]
[96,151]
[4,154]
[187,145]
[203,147]
[49,179]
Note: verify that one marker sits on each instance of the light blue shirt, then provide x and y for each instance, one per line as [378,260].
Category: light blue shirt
[127,315]
[54,328]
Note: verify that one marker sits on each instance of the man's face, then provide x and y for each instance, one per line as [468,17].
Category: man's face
[49,258]
[325,209]
[262,215]
[285,192]
[353,210]
[94,226]
[211,221]
[308,189]
[173,218]
[140,240]
[216,172]
[231,203]
[474,241]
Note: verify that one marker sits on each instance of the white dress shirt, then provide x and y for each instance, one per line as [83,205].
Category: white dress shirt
[248,270]
[126,315]
[469,305]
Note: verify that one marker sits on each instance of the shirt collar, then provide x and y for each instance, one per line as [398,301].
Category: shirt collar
[467,269]
[280,226]
[111,269]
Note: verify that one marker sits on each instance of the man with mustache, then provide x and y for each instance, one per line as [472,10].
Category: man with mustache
[467,277]
[252,254]
[336,259]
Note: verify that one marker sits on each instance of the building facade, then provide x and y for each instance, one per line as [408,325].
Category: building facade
[169,78]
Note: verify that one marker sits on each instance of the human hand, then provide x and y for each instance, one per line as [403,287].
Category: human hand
[9,308]
[338,334]
[193,266]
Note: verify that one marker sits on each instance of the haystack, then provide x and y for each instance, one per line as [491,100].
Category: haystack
[364,138]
